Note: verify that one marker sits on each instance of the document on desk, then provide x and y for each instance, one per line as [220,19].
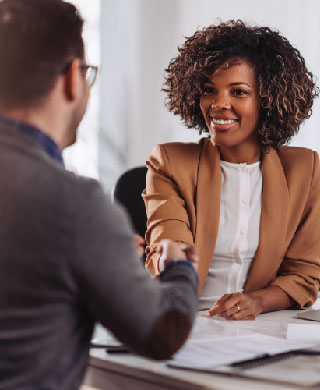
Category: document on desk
[298,370]
[311,315]
[216,346]
[211,353]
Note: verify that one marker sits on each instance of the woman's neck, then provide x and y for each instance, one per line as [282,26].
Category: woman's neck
[241,154]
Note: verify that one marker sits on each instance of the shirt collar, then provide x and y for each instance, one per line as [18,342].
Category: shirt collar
[46,142]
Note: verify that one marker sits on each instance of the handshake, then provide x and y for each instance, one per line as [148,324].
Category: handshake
[170,250]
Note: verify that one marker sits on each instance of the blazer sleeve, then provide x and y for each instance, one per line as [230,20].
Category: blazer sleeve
[165,206]
[299,273]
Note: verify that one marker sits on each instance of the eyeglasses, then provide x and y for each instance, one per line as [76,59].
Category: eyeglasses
[91,73]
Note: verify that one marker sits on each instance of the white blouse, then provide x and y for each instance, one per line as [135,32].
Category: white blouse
[238,234]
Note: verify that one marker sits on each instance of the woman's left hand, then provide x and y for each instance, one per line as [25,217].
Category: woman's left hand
[237,306]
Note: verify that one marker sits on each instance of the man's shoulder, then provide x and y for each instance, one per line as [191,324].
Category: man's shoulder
[41,177]
[81,188]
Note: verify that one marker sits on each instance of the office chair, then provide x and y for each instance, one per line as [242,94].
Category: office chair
[128,191]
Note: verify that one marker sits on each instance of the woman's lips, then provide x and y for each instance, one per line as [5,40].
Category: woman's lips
[222,123]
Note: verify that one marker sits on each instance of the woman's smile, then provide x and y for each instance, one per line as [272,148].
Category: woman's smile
[221,123]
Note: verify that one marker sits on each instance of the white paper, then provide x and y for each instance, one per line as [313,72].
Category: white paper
[215,352]
[304,333]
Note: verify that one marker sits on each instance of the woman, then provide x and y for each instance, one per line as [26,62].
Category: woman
[249,204]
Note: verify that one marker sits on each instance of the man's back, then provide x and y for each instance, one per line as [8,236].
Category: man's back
[67,256]
[39,312]
[66,260]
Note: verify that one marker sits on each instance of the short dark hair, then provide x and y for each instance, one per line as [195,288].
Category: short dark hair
[286,87]
[38,39]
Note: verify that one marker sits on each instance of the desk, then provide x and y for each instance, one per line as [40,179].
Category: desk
[115,372]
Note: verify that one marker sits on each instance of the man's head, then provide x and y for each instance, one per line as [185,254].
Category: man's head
[41,43]
[38,40]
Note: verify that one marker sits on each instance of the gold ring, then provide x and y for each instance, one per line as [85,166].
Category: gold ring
[238,307]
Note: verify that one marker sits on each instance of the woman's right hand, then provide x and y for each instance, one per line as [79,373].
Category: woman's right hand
[171,250]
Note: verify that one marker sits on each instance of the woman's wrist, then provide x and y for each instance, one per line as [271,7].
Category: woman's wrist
[270,299]
[257,298]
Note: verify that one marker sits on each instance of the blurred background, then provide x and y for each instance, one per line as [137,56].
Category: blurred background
[133,41]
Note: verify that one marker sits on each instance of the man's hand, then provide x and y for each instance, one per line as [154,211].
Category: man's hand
[170,250]
[236,307]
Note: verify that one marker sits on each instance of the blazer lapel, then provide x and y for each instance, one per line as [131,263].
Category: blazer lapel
[208,207]
[273,222]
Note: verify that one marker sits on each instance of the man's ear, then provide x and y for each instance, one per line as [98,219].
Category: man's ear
[73,81]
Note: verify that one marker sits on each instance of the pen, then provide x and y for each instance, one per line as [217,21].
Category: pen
[117,349]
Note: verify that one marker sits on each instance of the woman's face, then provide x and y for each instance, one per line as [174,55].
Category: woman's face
[230,105]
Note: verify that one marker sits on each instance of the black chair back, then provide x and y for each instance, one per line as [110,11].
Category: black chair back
[128,191]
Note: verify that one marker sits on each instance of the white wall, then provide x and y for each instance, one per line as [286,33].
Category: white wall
[138,38]
[83,156]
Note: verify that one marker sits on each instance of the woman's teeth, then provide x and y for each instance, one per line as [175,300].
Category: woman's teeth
[223,121]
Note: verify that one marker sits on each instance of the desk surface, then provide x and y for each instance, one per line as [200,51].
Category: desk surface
[128,371]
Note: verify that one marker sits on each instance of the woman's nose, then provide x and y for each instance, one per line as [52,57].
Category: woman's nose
[220,102]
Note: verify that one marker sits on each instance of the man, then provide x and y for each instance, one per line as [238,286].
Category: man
[67,257]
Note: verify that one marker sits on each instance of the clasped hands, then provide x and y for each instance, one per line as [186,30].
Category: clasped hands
[236,307]
[170,250]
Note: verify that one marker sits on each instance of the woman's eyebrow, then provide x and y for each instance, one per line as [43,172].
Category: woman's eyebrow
[240,83]
[231,84]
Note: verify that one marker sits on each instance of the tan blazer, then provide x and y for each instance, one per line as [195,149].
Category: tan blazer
[182,199]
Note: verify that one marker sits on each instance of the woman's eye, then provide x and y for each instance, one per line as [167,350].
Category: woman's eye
[208,90]
[239,92]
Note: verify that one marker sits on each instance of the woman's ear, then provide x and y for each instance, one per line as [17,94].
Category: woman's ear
[73,81]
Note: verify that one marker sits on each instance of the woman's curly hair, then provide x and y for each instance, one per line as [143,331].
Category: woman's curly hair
[286,87]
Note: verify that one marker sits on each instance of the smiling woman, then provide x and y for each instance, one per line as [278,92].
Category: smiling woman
[249,204]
